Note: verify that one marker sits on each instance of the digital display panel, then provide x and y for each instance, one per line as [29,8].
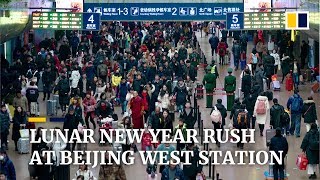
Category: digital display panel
[57,20]
[264,21]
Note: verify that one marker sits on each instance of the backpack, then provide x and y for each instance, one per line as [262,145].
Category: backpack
[216,115]
[261,107]
[314,141]
[295,106]
[254,59]
[64,86]
[221,51]
[103,71]
[242,119]
[285,118]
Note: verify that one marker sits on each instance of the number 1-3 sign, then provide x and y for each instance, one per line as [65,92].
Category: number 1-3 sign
[91,21]
[235,21]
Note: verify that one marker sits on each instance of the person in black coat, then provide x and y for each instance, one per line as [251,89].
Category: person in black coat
[19,119]
[250,101]
[166,122]
[246,83]
[188,116]
[223,112]
[48,78]
[191,71]
[279,143]
[309,112]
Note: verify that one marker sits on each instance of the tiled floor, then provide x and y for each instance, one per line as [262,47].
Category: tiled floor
[137,171]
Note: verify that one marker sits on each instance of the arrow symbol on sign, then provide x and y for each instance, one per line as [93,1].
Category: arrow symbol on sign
[89,10]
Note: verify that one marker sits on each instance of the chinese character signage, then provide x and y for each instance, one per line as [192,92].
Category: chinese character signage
[66,21]
[163,11]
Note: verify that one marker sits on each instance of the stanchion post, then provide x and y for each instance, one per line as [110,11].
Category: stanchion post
[198,117]
[201,130]
[210,170]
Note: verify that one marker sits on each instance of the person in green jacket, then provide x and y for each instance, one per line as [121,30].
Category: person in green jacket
[209,82]
[183,126]
[230,87]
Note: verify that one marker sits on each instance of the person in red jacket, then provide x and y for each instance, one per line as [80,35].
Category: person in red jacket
[222,50]
[137,109]
[146,144]
[89,107]
[146,100]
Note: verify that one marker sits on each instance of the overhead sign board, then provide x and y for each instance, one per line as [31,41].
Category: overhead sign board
[163,11]
[265,20]
[66,21]
[258,20]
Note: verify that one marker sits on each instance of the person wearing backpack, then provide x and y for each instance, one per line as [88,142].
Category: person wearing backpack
[249,101]
[240,121]
[309,112]
[275,114]
[261,111]
[254,60]
[295,104]
[218,115]
[310,146]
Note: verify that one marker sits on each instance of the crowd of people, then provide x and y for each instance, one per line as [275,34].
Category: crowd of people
[149,71]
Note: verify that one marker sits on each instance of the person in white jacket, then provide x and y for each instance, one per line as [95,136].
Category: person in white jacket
[101,87]
[277,62]
[164,98]
[75,78]
[85,172]
[171,52]
[262,112]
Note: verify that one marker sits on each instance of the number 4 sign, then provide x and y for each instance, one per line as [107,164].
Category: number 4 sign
[91,21]
[235,21]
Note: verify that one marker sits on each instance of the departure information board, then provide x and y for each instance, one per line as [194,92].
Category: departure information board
[256,20]
[66,21]
[264,21]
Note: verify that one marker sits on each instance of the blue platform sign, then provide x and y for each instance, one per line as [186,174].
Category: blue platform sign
[235,21]
[91,21]
[163,11]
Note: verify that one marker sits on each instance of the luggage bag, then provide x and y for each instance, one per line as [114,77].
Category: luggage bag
[23,146]
[270,133]
[56,98]
[199,90]
[276,85]
[51,107]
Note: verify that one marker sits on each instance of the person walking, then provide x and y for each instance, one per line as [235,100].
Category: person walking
[230,87]
[6,165]
[261,111]
[236,50]
[278,144]
[4,126]
[310,146]
[304,53]
[276,113]
[295,104]
[309,112]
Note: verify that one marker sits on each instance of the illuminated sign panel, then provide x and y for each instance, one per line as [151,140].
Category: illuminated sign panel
[264,21]
[66,21]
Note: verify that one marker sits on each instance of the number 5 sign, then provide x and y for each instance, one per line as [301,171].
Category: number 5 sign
[91,21]
[235,21]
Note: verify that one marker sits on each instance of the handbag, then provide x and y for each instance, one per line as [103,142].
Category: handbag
[24,133]
[302,161]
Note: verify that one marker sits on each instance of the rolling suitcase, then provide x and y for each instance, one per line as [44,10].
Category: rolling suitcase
[199,91]
[23,146]
[51,107]
[289,83]
[56,98]
[34,109]
[276,85]
[270,133]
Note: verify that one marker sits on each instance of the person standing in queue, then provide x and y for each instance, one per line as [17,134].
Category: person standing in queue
[230,87]
[209,82]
